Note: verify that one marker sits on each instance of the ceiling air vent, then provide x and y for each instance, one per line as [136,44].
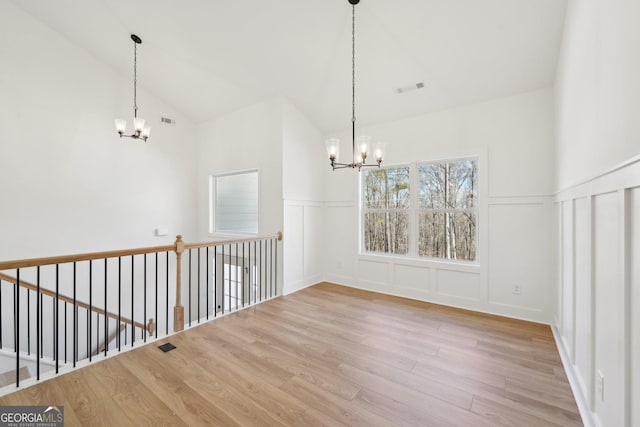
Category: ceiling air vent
[409,88]
[168,120]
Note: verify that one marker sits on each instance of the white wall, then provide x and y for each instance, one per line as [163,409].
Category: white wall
[597,89]
[514,138]
[302,188]
[68,184]
[598,182]
[250,138]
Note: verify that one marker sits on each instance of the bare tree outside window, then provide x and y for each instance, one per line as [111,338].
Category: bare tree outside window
[448,211]
[443,209]
[386,202]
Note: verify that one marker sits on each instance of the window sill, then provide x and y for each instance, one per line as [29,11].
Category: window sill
[467,266]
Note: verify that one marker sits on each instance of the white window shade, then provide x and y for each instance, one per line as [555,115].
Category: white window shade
[236,202]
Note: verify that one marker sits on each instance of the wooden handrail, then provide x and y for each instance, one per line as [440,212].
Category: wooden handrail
[63,259]
[226,242]
[69,300]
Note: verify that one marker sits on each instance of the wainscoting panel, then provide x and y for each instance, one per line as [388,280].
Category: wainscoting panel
[583,292]
[634,280]
[568,319]
[597,324]
[376,273]
[458,284]
[519,262]
[609,295]
[303,255]
[412,277]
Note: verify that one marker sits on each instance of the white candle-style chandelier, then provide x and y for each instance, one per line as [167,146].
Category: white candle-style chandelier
[362,145]
[140,130]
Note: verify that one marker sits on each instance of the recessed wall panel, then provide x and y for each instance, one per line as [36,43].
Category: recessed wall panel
[568,325]
[411,277]
[519,245]
[609,302]
[373,272]
[312,235]
[634,275]
[584,335]
[458,284]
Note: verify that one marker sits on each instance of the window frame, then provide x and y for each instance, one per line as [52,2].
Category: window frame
[212,230]
[415,209]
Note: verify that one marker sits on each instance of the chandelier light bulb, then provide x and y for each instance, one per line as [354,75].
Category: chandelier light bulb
[138,124]
[145,132]
[333,148]
[378,151]
[121,126]
[364,142]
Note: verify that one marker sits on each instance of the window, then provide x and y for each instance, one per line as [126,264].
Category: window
[234,202]
[386,210]
[425,209]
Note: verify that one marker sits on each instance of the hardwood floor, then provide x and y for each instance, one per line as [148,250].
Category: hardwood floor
[328,355]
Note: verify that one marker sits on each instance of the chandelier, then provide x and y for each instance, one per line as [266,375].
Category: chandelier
[362,145]
[141,131]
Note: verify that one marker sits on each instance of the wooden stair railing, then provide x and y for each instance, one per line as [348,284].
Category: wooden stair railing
[112,336]
[67,299]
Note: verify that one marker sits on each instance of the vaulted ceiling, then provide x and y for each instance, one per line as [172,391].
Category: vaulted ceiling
[210,57]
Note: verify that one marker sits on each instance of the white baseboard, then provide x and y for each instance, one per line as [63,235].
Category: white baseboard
[588,418]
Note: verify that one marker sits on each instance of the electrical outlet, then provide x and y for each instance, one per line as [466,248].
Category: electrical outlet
[517,289]
[600,386]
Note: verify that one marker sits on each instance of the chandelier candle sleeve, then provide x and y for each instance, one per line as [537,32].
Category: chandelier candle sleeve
[359,147]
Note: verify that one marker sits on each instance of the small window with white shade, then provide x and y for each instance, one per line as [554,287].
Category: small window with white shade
[233,203]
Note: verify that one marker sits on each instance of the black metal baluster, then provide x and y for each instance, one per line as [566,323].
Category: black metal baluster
[17,326]
[28,322]
[144,318]
[243,279]
[75,314]
[166,315]
[65,332]
[57,345]
[119,302]
[15,335]
[89,317]
[38,320]
[106,319]
[133,324]
[98,333]
[53,327]
[199,256]
[189,287]
[1,317]
[41,326]
[223,285]
[253,278]
[157,325]
[207,281]
[88,335]
[215,281]
[260,270]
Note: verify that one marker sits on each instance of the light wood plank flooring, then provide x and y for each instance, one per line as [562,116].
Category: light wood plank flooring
[328,355]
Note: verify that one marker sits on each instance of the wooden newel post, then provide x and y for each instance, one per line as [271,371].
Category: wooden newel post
[178,310]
